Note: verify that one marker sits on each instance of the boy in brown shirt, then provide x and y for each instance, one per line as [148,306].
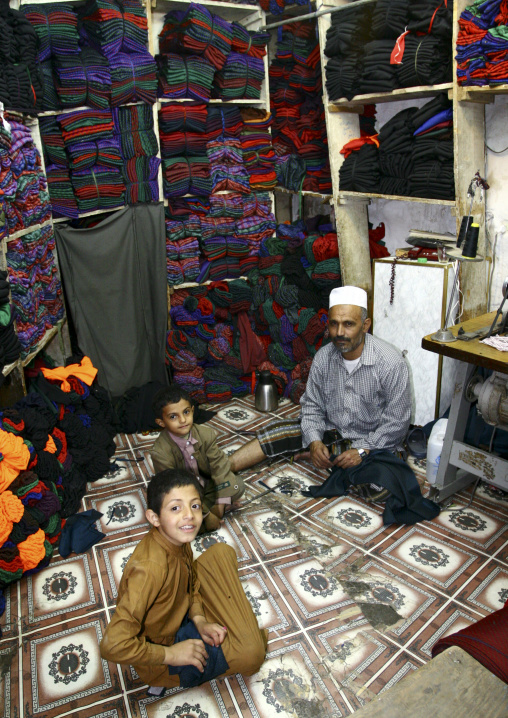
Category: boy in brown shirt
[181,622]
[185,445]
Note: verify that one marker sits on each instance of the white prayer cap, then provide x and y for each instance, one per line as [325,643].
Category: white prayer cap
[348,295]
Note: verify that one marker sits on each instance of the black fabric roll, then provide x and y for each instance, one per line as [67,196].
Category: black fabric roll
[437,104]
[427,61]
[343,75]
[349,28]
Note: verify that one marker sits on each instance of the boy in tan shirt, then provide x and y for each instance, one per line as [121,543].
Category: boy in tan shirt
[185,445]
[181,622]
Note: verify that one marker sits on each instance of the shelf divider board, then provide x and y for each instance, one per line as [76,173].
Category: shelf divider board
[469,157]
[351,220]
[403,93]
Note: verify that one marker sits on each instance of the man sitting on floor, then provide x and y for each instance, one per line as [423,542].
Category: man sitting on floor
[358,389]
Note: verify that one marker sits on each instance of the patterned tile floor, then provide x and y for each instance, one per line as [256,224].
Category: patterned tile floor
[352,606]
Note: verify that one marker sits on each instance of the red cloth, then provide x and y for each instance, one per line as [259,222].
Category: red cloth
[252,353]
[357,144]
[486,641]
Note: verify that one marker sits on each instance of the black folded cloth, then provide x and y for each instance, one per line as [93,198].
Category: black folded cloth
[427,60]
[349,28]
[439,103]
[360,171]
[9,342]
[343,74]
[433,179]
[390,18]
[431,17]
[378,74]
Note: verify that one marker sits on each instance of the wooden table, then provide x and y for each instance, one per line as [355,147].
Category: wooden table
[456,454]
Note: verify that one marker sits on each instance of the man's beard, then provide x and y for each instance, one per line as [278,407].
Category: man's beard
[348,345]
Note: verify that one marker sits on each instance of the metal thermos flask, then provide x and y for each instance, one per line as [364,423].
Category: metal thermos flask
[266,397]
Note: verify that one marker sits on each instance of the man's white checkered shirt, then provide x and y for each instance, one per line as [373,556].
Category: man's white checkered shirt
[371,406]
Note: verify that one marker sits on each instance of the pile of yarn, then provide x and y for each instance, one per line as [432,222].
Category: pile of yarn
[53,441]
[24,198]
[36,290]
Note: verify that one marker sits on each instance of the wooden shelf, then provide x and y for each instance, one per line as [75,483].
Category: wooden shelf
[89,214]
[403,93]
[365,196]
[48,336]
[305,193]
[52,113]
[485,94]
[27,230]
[213,101]
[43,342]
[188,285]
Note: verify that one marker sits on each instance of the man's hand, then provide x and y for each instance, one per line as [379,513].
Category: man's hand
[319,455]
[187,653]
[348,459]
[211,633]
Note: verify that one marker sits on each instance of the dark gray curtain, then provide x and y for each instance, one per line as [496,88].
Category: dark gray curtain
[115,281]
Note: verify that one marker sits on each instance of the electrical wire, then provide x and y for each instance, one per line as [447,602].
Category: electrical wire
[496,152]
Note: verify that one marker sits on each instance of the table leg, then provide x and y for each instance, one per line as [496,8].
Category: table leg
[447,482]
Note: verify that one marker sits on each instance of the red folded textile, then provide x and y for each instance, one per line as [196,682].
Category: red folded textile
[486,641]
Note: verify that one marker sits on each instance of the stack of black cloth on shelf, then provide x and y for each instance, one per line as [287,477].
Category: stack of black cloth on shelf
[360,170]
[412,156]
[399,43]
[432,172]
[345,40]
[396,143]
[9,344]
[20,81]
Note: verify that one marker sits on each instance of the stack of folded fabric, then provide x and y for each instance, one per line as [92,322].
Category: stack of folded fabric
[61,192]
[223,121]
[249,42]
[411,156]
[188,76]
[186,175]
[133,78]
[182,248]
[97,188]
[299,128]
[395,43]
[258,154]
[177,117]
[56,25]
[106,152]
[82,125]
[396,143]
[241,77]
[482,44]
[83,79]
[23,186]
[432,173]
[10,347]
[135,133]
[276,7]
[36,291]
[115,26]
[134,128]
[20,80]
[197,31]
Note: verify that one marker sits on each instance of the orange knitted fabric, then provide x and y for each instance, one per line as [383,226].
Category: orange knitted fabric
[14,457]
[32,551]
[84,371]
[50,446]
[11,511]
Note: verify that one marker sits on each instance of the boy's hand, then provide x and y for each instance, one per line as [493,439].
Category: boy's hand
[187,653]
[211,633]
